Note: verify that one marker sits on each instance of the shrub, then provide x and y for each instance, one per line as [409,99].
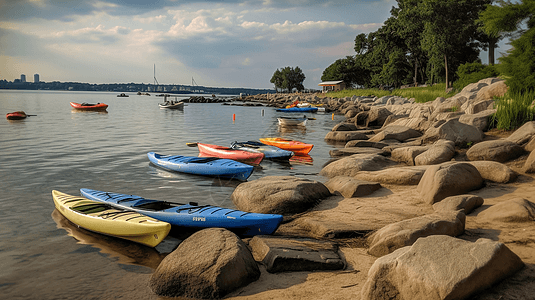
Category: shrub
[473,72]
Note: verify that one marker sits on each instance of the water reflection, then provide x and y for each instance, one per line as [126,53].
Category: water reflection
[292,129]
[125,252]
[301,160]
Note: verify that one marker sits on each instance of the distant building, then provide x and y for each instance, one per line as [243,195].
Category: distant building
[331,86]
[22,78]
[36,78]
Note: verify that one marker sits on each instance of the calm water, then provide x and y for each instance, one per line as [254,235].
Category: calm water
[43,256]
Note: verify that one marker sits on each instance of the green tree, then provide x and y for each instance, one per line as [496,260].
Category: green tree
[507,19]
[347,69]
[288,79]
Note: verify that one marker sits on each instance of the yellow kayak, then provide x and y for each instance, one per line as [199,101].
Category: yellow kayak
[103,218]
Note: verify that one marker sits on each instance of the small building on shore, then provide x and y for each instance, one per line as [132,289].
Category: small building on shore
[332,86]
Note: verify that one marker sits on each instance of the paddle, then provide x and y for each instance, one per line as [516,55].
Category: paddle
[191,144]
[31,115]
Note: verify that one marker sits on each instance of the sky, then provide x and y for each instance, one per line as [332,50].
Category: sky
[236,43]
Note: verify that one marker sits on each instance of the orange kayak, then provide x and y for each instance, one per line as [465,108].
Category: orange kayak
[207,150]
[17,115]
[296,146]
[89,106]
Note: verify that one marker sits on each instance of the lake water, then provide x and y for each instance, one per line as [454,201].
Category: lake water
[44,256]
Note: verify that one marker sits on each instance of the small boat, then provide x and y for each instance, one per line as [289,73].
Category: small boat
[208,150]
[298,109]
[206,166]
[89,106]
[299,148]
[172,105]
[291,121]
[192,214]
[17,115]
[122,95]
[270,152]
[106,219]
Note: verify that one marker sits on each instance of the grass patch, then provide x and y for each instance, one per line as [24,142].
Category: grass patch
[421,94]
[513,110]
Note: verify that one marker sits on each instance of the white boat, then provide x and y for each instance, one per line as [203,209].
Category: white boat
[292,121]
[173,104]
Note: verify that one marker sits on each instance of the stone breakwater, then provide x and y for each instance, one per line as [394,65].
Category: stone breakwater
[422,189]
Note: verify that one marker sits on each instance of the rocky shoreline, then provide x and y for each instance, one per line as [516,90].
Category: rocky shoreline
[420,203]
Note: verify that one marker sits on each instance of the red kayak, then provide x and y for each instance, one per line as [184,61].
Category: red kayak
[89,106]
[207,150]
[17,115]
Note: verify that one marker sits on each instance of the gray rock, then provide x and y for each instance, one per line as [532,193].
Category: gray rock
[345,136]
[344,127]
[350,187]
[516,210]
[441,151]
[494,171]
[467,203]
[399,176]
[280,254]
[396,132]
[377,116]
[351,165]
[365,144]
[440,267]
[461,134]
[278,195]
[355,150]
[220,266]
[523,134]
[529,165]
[479,120]
[405,233]
[407,154]
[448,179]
[495,150]
[417,123]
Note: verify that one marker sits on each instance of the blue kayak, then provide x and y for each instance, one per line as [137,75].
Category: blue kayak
[270,152]
[207,166]
[192,214]
[298,109]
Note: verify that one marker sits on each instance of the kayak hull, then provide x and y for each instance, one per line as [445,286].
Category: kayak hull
[295,146]
[93,107]
[208,150]
[223,168]
[17,115]
[298,109]
[106,219]
[270,152]
[288,121]
[191,215]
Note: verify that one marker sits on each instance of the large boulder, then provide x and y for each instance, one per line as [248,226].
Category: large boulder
[453,130]
[440,267]
[278,195]
[220,266]
[351,165]
[523,134]
[405,233]
[467,203]
[441,151]
[496,89]
[479,120]
[344,127]
[365,144]
[400,175]
[345,136]
[416,123]
[280,254]
[349,187]
[395,132]
[496,150]
[377,116]
[515,210]
[407,154]
[494,171]
[355,150]
[448,179]
[529,165]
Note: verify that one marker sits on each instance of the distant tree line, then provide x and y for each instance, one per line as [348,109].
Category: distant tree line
[128,87]
[425,41]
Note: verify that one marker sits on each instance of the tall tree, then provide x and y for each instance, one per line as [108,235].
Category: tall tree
[450,32]
[507,18]
[288,79]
